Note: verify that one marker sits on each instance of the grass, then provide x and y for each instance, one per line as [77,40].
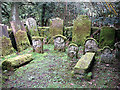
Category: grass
[52,70]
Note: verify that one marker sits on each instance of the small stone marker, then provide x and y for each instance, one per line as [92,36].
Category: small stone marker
[32,26]
[91,45]
[106,55]
[20,34]
[59,42]
[56,26]
[73,50]
[5,45]
[37,44]
[117,50]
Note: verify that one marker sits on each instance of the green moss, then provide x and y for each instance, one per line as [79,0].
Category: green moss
[37,38]
[6,46]
[81,29]
[22,40]
[56,27]
[59,35]
[107,37]
[73,44]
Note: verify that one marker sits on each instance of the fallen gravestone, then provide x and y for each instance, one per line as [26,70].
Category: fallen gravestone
[56,27]
[91,45]
[59,42]
[81,29]
[73,50]
[5,45]
[37,44]
[20,35]
[117,50]
[32,27]
[106,55]
[10,64]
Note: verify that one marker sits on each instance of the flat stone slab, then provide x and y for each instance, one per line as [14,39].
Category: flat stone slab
[16,61]
[84,61]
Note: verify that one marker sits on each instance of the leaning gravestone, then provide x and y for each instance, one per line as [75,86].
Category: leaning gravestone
[117,50]
[32,27]
[56,27]
[81,29]
[59,42]
[91,45]
[37,44]
[20,35]
[72,50]
[6,45]
[107,56]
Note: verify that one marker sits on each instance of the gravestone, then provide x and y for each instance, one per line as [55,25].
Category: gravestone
[20,35]
[59,42]
[117,50]
[72,50]
[32,27]
[106,55]
[81,29]
[37,44]
[107,37]
[56,27]
[5,44]
[91,45]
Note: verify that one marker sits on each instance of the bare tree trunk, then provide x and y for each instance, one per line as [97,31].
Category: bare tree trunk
[0,13]
[43,14]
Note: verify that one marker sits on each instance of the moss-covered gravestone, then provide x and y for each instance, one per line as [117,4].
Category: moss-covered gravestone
[32,27]
[107,37]
[56,27]
[91,45]
[5,42]
[117,50]
[20,35]
[37,44]
[72,50]
[59,42]
[106,55]
[81,29]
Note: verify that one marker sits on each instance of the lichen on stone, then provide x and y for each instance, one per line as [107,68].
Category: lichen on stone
[7,48]
[81,29]
[21,40]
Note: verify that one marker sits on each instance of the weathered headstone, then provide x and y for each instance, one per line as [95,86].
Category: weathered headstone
[73,50]
[107,37]
[32,26]
[56,27]
[91,45]
[117,50]
[81,29]
[5,45]
[106,55]
[20,35]
[37,44]
[59,42]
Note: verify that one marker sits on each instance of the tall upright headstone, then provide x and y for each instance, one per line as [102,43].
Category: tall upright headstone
[81,29]
[32,27]
[56,27]
[5,42]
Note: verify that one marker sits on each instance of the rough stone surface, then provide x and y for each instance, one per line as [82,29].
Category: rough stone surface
[107,56]
[73,50]
[16,61]
[81,30]
[32,26]
[20,34]
[56,27]
[91,45]
[107,37]
[117,50]
[59,42]
[37,44]
[5,44]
